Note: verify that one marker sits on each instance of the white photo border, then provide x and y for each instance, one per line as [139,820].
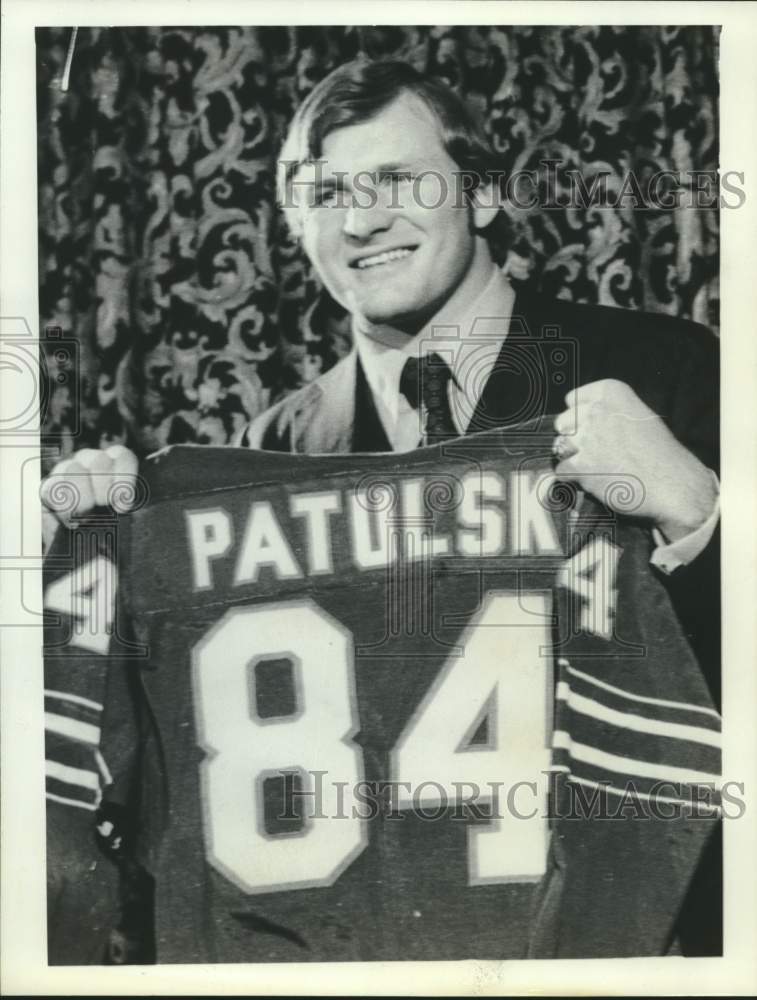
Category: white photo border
[22,905]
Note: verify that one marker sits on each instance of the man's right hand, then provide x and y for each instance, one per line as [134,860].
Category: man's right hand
[90,478]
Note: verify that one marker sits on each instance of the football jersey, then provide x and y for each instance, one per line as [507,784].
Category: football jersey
[351,697]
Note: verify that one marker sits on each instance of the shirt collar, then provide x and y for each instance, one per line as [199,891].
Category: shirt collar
[470,348]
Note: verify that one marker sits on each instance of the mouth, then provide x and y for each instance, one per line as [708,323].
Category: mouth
[382,258]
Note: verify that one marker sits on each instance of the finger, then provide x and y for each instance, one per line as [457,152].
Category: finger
[50,525]
[91,458]
[46,486]
[581,394]
[569,469]
[562,449]
[116,451]
[99,466]
[124,475]
[566,422]
[125,462]
[75,496]
[60,492]
[591,392]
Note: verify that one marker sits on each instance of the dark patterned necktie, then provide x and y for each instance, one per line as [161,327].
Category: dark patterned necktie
[427,380]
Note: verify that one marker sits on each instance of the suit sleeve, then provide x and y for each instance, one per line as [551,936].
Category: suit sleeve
[695,588]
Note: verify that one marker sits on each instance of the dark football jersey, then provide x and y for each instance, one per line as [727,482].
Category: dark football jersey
[367,687]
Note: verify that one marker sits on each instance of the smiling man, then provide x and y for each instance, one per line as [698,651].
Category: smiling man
[386,178]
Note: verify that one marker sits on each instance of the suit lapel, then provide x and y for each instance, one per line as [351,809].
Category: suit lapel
[520,386]
[339,413]
[322,423]
[369,433]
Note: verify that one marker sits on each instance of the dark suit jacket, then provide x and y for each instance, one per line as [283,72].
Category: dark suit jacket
[551,347]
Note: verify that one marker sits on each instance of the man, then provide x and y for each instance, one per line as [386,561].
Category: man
[384,177]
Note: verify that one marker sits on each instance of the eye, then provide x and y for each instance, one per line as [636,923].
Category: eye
[327,198]
[395,178]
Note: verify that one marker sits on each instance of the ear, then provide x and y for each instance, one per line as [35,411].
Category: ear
[485,204]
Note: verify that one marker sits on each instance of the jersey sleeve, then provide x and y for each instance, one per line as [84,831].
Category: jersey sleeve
[86,667]
[79,582]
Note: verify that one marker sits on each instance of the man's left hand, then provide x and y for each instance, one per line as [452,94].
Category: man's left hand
[610,442]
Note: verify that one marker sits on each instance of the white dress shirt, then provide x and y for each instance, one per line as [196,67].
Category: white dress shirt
[471,349]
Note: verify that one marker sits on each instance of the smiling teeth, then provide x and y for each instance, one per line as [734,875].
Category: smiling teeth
[383,258]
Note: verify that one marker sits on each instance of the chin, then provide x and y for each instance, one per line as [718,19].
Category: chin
[397,314]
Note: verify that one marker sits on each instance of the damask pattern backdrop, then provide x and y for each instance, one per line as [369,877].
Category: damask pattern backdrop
[163,255]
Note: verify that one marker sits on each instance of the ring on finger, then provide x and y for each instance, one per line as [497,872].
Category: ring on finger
[561,448]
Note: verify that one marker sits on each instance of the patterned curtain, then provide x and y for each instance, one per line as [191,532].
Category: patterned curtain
[162,254]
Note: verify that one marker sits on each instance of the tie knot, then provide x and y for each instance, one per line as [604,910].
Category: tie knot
[425,380]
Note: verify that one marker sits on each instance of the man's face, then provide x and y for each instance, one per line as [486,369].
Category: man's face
[384,221]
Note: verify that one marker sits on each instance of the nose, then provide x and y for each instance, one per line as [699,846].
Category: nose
[366,216]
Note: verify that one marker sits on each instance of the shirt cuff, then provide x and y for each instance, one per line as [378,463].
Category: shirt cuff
[668,556]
